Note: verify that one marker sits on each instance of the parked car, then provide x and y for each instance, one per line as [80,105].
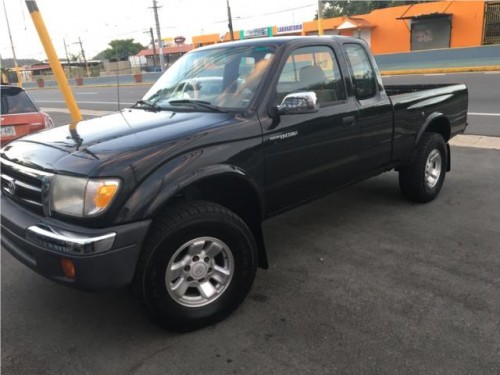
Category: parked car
[169,196]
[20,115]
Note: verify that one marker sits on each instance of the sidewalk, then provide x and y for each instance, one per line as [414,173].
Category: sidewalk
[476,141]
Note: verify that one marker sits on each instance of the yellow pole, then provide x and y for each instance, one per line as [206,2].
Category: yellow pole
[19,76]
[54,62]
[320,19]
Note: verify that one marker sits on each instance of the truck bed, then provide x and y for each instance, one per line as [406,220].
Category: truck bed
[416,105]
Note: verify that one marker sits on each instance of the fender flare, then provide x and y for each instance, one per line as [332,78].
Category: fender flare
[428,122]
[171,178]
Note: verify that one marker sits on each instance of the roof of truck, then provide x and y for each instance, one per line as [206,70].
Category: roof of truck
[279,40]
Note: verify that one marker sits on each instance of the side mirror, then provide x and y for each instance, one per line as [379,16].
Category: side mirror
[299,103]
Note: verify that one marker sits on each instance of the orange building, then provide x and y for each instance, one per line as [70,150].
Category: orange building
[441,24]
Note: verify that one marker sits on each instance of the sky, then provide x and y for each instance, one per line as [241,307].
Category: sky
[97,22]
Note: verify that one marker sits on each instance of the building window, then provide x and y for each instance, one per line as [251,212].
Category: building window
[430,32]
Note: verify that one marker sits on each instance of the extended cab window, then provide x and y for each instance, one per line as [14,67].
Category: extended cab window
[362,72]
[312,69]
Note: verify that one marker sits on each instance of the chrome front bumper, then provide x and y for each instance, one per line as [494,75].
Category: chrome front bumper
[103,258]
[67,242]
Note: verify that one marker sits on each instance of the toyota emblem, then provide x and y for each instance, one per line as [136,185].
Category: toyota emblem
[10,187]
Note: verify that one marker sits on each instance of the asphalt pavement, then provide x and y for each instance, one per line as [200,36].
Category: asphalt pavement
[361,282]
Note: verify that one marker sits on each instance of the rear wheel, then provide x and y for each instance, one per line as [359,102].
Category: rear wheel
[197,266]
[421,181]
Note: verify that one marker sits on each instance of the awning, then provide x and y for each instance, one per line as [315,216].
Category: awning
[36,68]
[167,50]
[351,23]
[426,16]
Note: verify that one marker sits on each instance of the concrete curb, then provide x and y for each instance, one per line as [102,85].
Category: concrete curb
[476,141]
[465,69]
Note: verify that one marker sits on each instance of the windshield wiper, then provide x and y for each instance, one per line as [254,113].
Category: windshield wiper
[147,105]
[197,104]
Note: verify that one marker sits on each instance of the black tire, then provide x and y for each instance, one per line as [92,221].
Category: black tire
[194,230]
[421,181]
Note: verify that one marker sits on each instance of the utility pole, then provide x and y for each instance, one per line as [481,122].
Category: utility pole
[154,46]
[55,64]
[229,20]
[320,18]
[83,56]
[16,67]
[160,41]
[67,58]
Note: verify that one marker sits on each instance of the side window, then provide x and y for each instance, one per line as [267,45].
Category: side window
[362,72]
[312,69]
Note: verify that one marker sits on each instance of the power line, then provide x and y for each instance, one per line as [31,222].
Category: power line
[271,13]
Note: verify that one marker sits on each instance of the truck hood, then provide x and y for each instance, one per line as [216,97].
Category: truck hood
[80,147]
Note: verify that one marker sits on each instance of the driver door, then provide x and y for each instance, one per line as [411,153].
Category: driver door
[309,154]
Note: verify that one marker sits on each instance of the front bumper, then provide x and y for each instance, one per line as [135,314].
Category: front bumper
[102,258]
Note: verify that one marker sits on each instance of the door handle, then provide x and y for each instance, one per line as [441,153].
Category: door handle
[349,121]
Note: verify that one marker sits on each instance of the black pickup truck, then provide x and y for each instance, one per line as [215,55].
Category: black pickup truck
[168,196]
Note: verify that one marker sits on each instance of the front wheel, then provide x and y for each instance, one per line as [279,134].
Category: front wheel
[421,181]
[198,265]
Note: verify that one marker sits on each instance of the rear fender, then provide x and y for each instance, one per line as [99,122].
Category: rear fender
[435,122]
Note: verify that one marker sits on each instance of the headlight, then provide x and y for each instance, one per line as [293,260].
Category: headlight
[82,197]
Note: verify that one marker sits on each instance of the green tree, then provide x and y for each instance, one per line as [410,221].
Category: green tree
[119,48]
[338,8]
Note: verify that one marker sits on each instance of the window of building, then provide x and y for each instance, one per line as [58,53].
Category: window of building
[430,32]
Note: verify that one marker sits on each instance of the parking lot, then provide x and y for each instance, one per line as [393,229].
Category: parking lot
[361,281]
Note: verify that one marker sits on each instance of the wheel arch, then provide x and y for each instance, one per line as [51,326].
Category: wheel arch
[440,124]
[435,123]
[231,188]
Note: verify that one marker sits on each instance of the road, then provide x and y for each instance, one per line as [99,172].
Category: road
[361,282]
[484,98]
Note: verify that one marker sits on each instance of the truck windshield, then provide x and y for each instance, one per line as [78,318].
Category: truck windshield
[221,79]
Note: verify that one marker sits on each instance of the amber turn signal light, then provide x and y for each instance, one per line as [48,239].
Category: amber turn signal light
[68,268]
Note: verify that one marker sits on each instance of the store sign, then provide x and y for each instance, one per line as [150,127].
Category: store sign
[179,40]
[256,33]
[289,29]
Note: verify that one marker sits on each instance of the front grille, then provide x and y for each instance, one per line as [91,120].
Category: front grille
[24,185]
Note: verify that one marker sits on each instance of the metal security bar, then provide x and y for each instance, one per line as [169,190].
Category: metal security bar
[491,33]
